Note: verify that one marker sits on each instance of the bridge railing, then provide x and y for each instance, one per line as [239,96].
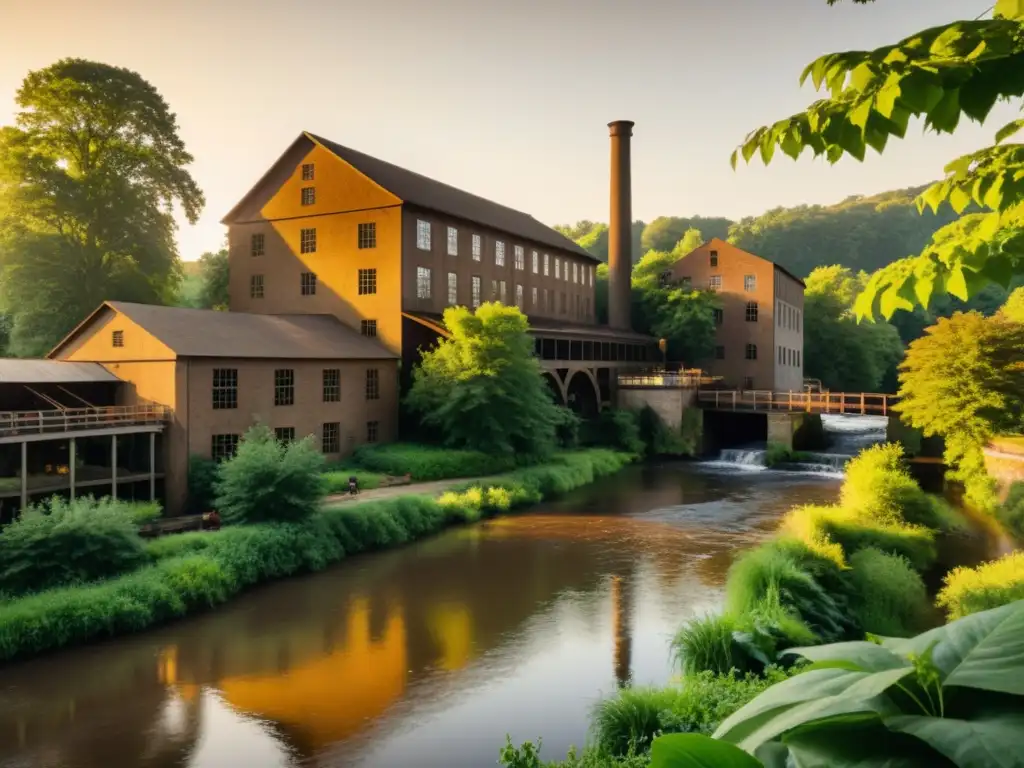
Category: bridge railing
[862,403]
[681,379]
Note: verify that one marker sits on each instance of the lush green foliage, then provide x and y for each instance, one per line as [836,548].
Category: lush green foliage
[58,542]
[964,381]
[661,440]
[947,697]
[202,484]
[194,571]
[845,355]
[938,74]
[213,286]
[1011,512]
[624,725]
[619,429]
[970,590]
[887,595]
[270,480]
[482,388]
[428,462]
[88,177]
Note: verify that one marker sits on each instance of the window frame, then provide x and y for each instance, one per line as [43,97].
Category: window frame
[453,241]
[372,389]
[423,234]
[330,385]
[453,289]
[307,240]
[366,235]
[218,441]
[424,280]
[366,281]
[308,196]
[330,430]
[284,387]
[307,283]
[256,287]
[117,339]
[751,312]
[368,328]
[224,382]
[475,290]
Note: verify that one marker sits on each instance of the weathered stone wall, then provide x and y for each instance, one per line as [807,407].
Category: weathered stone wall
[668,402]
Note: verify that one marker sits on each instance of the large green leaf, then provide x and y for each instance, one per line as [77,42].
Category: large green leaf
[993,741]
[858,747]
[694,750]
[984,650]
[866,657]
[852,693]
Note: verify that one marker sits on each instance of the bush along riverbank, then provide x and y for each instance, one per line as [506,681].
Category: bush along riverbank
[270,498]
[833,575]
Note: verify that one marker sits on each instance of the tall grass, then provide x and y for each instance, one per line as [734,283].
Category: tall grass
[970,590]
[195,571]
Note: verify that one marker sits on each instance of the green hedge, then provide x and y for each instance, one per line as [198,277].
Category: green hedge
[196,571]
[426,462]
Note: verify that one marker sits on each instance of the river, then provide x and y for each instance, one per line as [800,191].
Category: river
[424,656]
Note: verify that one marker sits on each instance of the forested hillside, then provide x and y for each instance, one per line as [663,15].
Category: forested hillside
[862,233]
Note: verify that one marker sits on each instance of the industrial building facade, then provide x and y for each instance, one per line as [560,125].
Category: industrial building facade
[341,266]
[759,333]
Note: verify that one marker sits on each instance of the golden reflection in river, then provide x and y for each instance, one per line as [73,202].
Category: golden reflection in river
[330,698]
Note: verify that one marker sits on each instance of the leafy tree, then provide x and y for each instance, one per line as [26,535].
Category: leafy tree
[269,480]
[860,232]
[964,380]
[845,355]
[939,74]
[665,232]
[685,319]
[1013,309]
[213,273]
[88,176]
[482,388]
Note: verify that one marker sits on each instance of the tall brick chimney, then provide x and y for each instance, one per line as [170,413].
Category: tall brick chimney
[620,226]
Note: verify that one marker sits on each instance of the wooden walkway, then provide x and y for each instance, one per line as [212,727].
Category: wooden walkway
[850,403]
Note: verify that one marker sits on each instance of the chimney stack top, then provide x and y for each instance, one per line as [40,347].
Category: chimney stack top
[621,128]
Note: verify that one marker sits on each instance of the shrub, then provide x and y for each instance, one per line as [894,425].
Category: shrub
[59,542]
[1011,511]
[889,598]
[567,428]
[818,526]
[424,462]
[202,484]
[661,440]
[990,585]
[878,486]
[270,480]
[619,429]
[143,512]
[628,721]
[797,572]
[706,644]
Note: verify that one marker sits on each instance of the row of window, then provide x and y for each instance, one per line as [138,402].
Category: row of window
[715,282]
[366,282]
[788,316]
[366,237]
[224,446]
[789,356]
[581,274]
[225,386]
[749,353]
[499,292]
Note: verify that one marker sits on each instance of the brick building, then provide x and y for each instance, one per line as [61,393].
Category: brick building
[759,338]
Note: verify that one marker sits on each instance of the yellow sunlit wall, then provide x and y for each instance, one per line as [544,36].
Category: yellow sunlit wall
[344,199]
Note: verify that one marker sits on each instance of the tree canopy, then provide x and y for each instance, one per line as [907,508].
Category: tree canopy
[89,176]
[843,354]
[483,388]
[939,74]
[964,380]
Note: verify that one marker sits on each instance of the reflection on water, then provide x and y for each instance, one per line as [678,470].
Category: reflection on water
[424,656]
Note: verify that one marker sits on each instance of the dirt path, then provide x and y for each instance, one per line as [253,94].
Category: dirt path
[433,488]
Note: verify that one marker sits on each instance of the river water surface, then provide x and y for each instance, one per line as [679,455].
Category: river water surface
[424,656]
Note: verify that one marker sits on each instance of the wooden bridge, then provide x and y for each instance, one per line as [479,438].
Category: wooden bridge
[849,403]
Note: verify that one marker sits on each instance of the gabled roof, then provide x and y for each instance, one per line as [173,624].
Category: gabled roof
[432,195]
[34,371]
[782,269]
[208,333]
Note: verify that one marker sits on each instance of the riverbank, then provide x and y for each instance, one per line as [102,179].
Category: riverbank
[194,572]
[831,574]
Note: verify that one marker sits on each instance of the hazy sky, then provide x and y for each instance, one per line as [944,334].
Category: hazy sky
[508,100]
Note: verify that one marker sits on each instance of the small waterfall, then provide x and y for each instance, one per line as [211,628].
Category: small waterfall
[847,435]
